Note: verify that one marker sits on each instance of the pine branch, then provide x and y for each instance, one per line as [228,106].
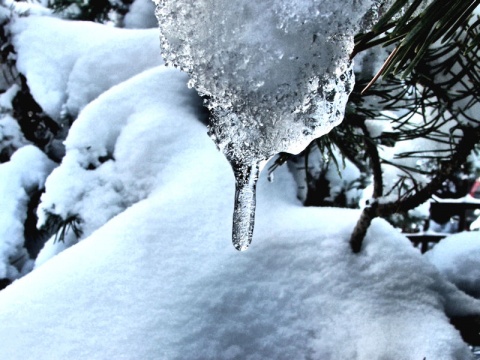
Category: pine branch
[416,33]
[471,137]
[368,213]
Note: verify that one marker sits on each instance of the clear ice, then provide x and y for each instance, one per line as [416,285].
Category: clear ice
[275,74]
[246,177]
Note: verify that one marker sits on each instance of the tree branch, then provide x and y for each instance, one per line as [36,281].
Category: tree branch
[369,213]
[471,136]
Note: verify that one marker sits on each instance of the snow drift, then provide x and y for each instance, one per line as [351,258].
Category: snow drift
[159,281]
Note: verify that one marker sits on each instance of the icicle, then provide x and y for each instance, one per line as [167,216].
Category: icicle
[268,86]
[246,177]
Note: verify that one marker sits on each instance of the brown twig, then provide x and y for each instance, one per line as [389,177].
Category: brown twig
[368,213]
[385,65]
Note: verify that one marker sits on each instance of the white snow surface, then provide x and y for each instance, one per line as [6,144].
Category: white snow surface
[11,136]
[129,128]
[30,7]
[457,257]
[155,275]
[81,61]
[162,281]
[25,172]
[141,15]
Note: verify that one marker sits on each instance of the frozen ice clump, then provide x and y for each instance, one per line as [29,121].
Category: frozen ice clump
[276,73]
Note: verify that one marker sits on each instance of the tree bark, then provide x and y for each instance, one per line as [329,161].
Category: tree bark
[369,213]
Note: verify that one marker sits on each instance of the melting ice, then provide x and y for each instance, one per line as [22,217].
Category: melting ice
[276,75]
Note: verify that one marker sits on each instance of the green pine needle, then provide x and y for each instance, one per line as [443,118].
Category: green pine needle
[415,32]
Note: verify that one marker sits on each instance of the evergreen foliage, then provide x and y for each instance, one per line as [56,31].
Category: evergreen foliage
[417,25]
[431,73]
[91,10]
[58,226]
[36,126]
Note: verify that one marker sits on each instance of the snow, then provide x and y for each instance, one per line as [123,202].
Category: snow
[24,173]
[154,275]
[170,274]
[475,225]
[466,101]
[28,7]
[160,280]
[457,257]
[7,97]
[95,191]
[342,178]
[11,136]
[81,61]
[392,173]
[141,15]
[378,127]
[467,199]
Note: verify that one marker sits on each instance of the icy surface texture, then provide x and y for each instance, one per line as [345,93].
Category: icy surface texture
[244,209]
[276,73]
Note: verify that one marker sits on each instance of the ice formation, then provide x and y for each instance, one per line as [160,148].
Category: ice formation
[276,74]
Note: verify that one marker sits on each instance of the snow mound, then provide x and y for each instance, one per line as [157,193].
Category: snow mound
[159,281]
[141,15]
[121,162]
[23,174]
[11,136]
[81,61]
[457,257]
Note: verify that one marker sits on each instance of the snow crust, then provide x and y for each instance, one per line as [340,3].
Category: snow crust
[81,61]
[160,281]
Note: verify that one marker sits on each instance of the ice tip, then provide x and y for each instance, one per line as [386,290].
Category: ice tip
[241,246]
